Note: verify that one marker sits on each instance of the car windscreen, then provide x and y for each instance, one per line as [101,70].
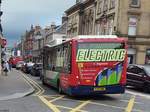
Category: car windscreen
[30,64]
[20,62]
[38,65]
[147,68]
[88,52]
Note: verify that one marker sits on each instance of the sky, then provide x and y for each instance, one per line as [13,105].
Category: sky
[19,15]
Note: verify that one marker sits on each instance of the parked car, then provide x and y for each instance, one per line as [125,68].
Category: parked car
[23,68]
[139,76]
[15,60]
[19,64]
[36,69]
[27,67]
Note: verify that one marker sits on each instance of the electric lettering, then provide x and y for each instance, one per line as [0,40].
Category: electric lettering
[89,55]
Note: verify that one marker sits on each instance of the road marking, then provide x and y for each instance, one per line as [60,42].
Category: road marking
[28,82]
[55,99]
[54,96]
[40,89]
[50,105]
[80,106]
[27,78]
[66,99]
[69,108]
[138,94]
[101,104]
[130,104]
[134,102]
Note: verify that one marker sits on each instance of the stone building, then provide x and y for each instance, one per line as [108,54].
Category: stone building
[27,44]
[125,18]
[81,18]
[51,35]
[37,44]
[55,34]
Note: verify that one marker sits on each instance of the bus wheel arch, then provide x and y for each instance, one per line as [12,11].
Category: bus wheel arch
[43,80]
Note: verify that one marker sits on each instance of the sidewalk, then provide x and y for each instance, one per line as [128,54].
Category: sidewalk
[13,86]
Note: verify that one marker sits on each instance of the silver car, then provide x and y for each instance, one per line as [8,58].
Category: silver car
[19,64]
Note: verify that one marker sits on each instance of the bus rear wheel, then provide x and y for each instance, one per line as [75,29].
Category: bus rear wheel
[59,88]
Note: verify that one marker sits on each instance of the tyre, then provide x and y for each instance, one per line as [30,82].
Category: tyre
[43,81]
[146,88]
[59,88]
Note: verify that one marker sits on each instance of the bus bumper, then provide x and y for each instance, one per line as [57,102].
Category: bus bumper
[91,90]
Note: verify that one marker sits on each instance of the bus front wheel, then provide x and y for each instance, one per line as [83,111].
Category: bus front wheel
[43,81]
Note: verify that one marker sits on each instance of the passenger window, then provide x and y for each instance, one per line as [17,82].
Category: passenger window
[132,69]
[141,72]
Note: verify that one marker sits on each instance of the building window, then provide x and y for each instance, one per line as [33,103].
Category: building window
[147,58]
[112,4]
[105,5]
[135,3]
[104,27]
[99,10]
[132,28]
[110,26]
[97,27]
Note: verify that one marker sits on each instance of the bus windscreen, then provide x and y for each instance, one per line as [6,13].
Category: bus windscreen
[102,52]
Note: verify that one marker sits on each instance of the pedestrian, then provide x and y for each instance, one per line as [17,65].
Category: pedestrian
[6,68]
[10,64]
[2,65]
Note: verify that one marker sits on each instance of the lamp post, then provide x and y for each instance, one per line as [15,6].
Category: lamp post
[1,35]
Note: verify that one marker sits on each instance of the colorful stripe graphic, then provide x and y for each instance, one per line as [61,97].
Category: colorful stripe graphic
[110,76]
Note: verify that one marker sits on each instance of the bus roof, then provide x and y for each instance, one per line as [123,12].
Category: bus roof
[87,37]
[95,36]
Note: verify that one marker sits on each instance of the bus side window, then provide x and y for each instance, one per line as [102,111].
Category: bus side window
[67,59]
[58,66]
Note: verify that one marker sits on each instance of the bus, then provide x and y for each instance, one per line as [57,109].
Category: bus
[87,65]
[14,60]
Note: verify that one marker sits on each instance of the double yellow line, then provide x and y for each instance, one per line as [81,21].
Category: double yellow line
[40,92]
[34,84]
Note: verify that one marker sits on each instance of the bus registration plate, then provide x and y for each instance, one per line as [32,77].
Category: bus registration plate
[99,89]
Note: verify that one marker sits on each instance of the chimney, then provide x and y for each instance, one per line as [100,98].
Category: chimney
[53,25]
[64,18]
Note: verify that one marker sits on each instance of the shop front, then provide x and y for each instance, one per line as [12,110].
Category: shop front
[131,56]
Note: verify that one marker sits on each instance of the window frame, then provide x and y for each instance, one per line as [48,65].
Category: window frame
[105,5]
[135,71]
[100,7]
[135,6]
[112,4]
[132,26]
[59,60]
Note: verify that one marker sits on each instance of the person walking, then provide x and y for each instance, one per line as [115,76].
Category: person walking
[10,64]
[6,68]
